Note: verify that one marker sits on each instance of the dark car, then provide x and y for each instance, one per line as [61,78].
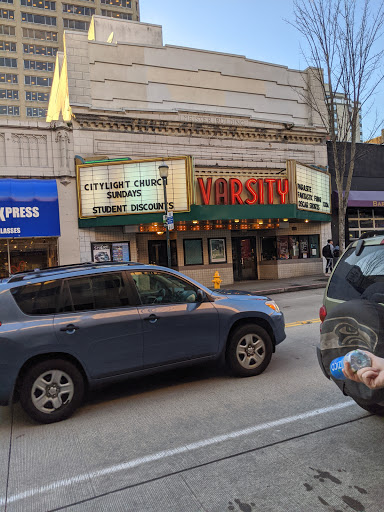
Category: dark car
[353,314]
[66,329]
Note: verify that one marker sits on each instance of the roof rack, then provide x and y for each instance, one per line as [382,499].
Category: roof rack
[370,234]
[37,272]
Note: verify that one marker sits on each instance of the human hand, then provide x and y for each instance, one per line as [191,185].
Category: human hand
[371,376]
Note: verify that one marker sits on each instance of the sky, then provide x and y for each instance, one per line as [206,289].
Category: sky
[257,29]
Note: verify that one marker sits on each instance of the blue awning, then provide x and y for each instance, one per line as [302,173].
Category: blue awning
[28,208]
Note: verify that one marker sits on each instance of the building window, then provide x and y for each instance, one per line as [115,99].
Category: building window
[38,19]
[113,14]
[7,47]
[6,62]
[193,251]
[362,220]
[7,1]
[43,35]
[290,247]
[268,248]
[118,3]
[39,64]
[38,80]
[9,94]
[7,110]
[77,9]
[7,15]
[7,30]
[40,50]
[27,254]
[76,24]
[41,4]
[36,112]
[36,96]
[8,78]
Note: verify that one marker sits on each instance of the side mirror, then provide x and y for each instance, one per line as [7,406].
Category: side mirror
[200,296]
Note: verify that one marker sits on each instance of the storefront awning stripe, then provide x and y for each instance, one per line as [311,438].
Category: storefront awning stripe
[362,198]
[221,212]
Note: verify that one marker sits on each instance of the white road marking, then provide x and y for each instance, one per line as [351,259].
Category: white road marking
[54,486]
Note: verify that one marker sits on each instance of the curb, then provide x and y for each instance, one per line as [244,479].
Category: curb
[286,289]
[291,289]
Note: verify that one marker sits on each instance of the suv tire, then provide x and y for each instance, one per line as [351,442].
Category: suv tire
[249,350]
[377,409]
[51,391]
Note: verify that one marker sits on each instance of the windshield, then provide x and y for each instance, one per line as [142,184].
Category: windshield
[359,276]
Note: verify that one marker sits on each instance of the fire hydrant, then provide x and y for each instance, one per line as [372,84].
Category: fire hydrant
[216,280]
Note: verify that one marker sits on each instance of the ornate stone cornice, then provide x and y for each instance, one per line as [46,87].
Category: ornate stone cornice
[284,133]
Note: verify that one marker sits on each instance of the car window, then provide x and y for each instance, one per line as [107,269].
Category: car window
[163,288]
[98,291]
[359,276]
[38,298]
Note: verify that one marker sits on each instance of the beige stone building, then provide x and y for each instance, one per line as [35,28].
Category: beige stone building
[33,153]
[246,184]
[31,33]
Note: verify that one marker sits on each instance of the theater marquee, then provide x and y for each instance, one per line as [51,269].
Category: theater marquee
[313,189]
[131,187]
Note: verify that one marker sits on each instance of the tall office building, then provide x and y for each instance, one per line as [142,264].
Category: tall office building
[341,118]
[31,33]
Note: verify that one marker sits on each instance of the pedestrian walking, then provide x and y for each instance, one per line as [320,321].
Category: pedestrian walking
[328,255]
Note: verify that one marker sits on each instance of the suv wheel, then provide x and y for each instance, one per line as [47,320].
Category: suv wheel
[51,390]
[377,409]
[249,350]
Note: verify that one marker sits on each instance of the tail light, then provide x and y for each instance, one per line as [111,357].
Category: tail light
[322,313]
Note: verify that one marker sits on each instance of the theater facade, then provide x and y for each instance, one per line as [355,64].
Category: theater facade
[246,224]
[247,182]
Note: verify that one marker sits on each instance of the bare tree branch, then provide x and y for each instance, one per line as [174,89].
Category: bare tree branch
[344,55]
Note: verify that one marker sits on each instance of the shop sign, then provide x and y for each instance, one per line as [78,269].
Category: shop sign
[313,190]
[133,187]
[28,208]
[250,191]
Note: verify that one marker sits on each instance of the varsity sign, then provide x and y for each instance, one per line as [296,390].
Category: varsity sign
[131,187]
[249,191]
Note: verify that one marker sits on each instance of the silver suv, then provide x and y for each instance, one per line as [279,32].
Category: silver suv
[65,329]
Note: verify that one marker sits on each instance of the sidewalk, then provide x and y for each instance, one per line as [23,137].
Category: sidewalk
[268,287]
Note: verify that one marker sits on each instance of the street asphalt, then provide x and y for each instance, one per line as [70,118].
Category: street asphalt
[199,440]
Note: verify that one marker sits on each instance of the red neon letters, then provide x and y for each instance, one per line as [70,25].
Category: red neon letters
[234,191]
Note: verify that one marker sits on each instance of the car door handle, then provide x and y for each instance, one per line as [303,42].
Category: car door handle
[152,319]
[70,328]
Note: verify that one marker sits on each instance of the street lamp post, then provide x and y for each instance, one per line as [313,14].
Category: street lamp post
[163,171]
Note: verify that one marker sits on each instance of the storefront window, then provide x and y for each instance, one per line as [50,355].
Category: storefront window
[268,248]
[367,223]
[303,247]
[361,220]
[193,252]
[27,254]
[282,248]
[290,247]
[293,247]
[365,213]
[314,246]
